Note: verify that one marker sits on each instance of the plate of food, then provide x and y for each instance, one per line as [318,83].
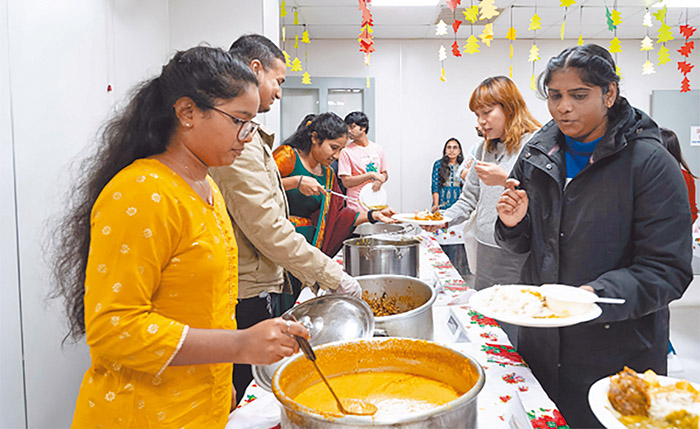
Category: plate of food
[632,400]
[525,305]
[424,218]
[372,200]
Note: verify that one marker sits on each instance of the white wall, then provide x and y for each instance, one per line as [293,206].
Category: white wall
[56,59]
[417,113]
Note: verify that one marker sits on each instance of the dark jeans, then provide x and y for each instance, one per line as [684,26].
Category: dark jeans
[249,312]
[458,257]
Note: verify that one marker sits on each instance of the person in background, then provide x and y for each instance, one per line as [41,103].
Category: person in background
[446,187]
[255,199]
[146,258]
[609,214]
[362,161]
[304,164]
[669,139]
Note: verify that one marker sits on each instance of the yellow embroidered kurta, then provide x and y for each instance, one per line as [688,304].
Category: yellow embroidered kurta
[161,260]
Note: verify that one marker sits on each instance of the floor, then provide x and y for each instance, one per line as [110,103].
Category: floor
[685,334]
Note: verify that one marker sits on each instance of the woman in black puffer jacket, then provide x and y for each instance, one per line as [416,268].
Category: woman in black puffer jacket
[599,204]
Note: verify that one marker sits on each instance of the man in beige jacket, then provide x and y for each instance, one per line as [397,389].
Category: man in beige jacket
[267,241]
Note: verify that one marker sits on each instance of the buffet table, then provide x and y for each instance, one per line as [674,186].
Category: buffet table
[511,395]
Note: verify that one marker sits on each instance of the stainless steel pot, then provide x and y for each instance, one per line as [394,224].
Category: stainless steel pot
[392,354]
[411,293]
[378,228]
[372,255]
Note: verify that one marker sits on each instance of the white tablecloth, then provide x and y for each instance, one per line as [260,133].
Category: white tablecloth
[509,382]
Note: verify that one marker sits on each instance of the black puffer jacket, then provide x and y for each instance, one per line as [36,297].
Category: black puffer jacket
[622,225]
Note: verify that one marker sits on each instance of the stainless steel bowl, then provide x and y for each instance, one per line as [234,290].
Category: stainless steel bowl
[417,322]
[393,354]
[328,318]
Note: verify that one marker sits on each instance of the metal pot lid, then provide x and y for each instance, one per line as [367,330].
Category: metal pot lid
[377,228]
[328,318]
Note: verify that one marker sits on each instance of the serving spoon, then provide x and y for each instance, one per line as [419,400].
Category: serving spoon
[351,406]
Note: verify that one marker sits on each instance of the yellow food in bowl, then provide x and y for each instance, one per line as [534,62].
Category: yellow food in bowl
[391,392]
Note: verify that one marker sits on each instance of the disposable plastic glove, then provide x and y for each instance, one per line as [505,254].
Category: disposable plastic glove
[349,285]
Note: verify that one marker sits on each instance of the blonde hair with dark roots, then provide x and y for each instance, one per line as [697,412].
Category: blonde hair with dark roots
[501,90]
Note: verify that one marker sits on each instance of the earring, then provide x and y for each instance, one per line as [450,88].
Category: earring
[187,124]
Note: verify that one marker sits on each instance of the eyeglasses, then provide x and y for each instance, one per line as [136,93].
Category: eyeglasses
[247,127]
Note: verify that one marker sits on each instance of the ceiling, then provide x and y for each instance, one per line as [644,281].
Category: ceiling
[340,19]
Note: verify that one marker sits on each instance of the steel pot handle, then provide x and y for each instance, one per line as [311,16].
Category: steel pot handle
[379,332]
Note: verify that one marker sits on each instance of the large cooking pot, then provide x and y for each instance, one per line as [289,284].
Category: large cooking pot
[378,228]
[414,297]
[416,357]
[374,255]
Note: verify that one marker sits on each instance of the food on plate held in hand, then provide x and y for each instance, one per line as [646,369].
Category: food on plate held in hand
[522,302]
[428,215]
[643,402]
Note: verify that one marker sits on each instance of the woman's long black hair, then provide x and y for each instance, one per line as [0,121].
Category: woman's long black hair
[328,126]
[445,171]
[142,129]
[670,141]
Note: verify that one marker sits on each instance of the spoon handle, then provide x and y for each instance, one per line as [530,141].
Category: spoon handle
[303,342]
[610,300]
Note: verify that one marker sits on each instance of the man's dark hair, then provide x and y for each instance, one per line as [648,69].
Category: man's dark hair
[251,47]
[358,118]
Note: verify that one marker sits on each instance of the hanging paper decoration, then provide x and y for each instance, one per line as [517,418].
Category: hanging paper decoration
[534,53]
[616,18]
[562,29]
[296,17]
[665,33]
[646,21]
[442,74]
[305,37]
[660,14]
[442,54]
[580,26]
[306,78]
[488,9]
[296,64]
[486,36]
[284,34]
[615,46]
[471,14]
[365,38]
[580,40]
[511,34]
[684,66]
[452,4]
[455,49]
[296,41]
[566,3]
[287,61]
[609,19]
[534,56]
[535,22]
[663,57]
[647,44]
[648,68]
[441,28]
[455,25]
[532,82]
[367,82]
[618,71]
[283,9]
[472,45]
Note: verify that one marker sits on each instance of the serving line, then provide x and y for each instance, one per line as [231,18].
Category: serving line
[511,391]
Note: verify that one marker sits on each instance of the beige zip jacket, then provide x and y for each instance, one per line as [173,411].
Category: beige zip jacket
[267,241]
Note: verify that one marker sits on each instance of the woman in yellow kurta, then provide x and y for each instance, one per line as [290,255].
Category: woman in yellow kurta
[160,273]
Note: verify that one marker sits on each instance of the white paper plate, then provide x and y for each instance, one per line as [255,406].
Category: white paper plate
[604,411]
[478,304]
[411,218]
[368,198]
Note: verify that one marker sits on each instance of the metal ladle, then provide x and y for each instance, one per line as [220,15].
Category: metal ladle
[351,406]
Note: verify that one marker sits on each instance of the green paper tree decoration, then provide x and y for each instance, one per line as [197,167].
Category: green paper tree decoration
[608,17]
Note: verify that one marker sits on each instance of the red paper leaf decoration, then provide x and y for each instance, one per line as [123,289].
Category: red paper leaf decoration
[685,85]
[687,31]
[456,24]
[452,4]
[685,67]
[455,49]
[686,48]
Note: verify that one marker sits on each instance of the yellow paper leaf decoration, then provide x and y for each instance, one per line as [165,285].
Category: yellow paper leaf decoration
[561,30]
[615,46]
[296,18]
[472,45]
[306,78]
[534,54]
[284,34]
[296,64]
[511,34]
[580,40]
[566,3]
[286,59]
[646,21]
[442,53]
[305,37]
[367,82]
[440,28]
[296,41]
[663,56]
[616,17]
[471,14]
[647,44]
[488,9]
[532,83]
[511,51]
[535,23]
[660,14]
[510,73]
[486,36]
[442,75]
[665,33]
[618,71]
[648,68]
[283,9]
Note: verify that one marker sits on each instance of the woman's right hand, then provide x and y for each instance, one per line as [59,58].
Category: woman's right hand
[512,205]
[271,340]
[310,186]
